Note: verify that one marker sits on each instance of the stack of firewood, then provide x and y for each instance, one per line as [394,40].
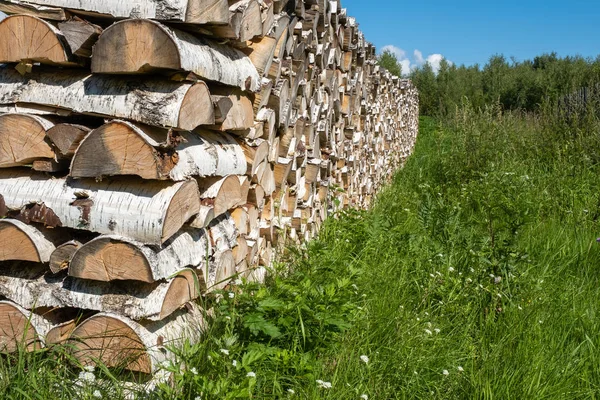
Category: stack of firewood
[151,151]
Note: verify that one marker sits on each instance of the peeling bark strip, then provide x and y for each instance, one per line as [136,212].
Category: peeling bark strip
[147,211]
[190,11]
[119,342]
[111,257]
[142,46]
[21,329]
[19,241]
[157,102]
[25,285]
[29,39]
[39,213]
[122,148]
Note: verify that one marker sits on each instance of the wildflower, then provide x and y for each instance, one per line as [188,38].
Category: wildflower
[416,373]
[364,359]
[497,280]
[471,269]
[460,369]
[469,280]
[445,372]
[354,286]
[323,385]
[228,318]
[492,276]
[520,308]
[251,374]
[86,376]
[225,351]
[499,295]
[238,282]
[197,398]
[89,368]
[291,391]
[450,269]
[429,324]
[364,397]
[231,295]
[194,371]
[437,330]
[97,394]
[427,331]
[234,363]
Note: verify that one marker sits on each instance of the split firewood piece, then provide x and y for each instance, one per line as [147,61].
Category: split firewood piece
[245,21]
[223,232]
[180,105]
[19,241]
[49,13]
[23,139]
[261,52]
[62,255]
[220,271]
[21,329]
[204,217]
[233,109]
[256,152]
[111,257]
[28,39]
[81,35]
[189,11]
[116,341]
[147,211]
[221,193]
[122,148]
[145,46]
[25,285]
[66,138]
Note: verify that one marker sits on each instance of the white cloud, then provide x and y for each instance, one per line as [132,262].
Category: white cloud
[417,60]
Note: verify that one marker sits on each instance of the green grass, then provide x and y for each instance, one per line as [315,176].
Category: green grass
[479,259]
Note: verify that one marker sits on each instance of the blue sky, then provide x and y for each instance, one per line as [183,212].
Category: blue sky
[469,32]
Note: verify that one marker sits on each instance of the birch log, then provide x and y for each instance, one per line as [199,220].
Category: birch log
[122,148]
[23,139]
[20,329]
[245,21]
[66,137]
[116,341]
[145,46]
[179,105]
[23,284]
[62,255]
[147,211]
[19,241]
[30,39]
[222,194]
[190,11]
[111,257]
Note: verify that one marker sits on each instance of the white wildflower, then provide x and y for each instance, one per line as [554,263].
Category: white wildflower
[429,324]
[194,371]
[251,374]
[492,276]
[323,384]
[469,280]
[450,269]
[471,269]
[437,330]
[89,368]
[231,295]
[460,369]
[354,286]
[499,295]
[197,398]
[364,359]
[497,280]
[432,275]
[291,391]
[416,373]
[520,308]
[228,318]
[364,397]
[87,377]
[225,351]
[427,331]
[97,394]
[238,282]
[445,372]
[234,363]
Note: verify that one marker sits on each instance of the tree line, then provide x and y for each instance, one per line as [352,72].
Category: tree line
[514,85]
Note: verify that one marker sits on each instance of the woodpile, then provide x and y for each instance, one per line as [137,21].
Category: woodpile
[152,151]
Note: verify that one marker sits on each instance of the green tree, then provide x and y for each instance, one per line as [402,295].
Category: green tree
[389,61]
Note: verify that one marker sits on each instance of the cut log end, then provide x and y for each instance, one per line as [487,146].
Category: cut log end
[21,242]
[23,139]
[28,38]
[17,330]
[111,341]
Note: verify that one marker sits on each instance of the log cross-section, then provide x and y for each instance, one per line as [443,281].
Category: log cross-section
[19,241]
[23,139]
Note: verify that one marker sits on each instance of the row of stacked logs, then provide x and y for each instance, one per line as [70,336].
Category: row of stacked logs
[152,151]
